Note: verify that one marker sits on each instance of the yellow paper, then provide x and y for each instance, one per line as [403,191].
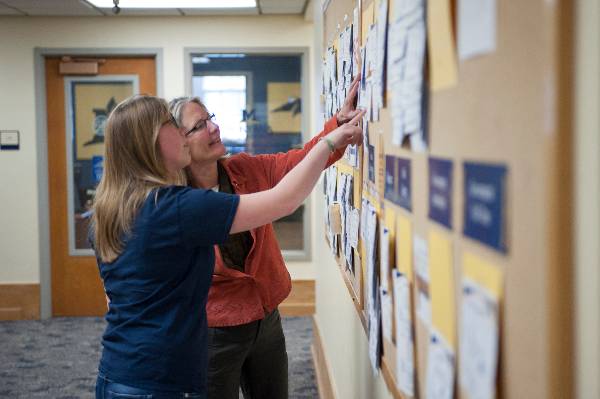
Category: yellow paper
[441,287]
[373,200]
[343,167]
[390,223]
[483,273]
[443,72]
[367,21]
[404,246]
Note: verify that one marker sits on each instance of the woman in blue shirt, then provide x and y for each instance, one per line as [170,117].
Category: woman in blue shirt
[154,240]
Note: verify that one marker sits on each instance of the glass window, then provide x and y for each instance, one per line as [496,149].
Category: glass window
[89,101]
[225,96]
[257,101]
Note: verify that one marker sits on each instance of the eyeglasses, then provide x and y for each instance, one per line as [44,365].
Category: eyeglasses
[200,125]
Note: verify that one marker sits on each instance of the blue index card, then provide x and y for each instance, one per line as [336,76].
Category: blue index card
[485,211]
[404,187]
[391,186]
[371,162]
[440,191]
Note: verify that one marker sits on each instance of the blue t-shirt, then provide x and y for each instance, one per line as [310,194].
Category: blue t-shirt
[158,286]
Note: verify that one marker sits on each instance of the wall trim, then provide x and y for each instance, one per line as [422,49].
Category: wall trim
[301,301]
[19,301]
[323,370]
[45,288]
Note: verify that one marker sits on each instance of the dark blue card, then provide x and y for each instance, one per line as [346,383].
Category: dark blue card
[485,211]
[371,162]
[440,191]
[404,187]
[391,187]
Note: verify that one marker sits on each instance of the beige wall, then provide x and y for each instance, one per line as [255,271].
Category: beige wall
[587,198]
[344,339]
[19,253]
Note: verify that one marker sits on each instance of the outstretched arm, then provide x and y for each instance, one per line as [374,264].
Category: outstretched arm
[278,165]
[266,206]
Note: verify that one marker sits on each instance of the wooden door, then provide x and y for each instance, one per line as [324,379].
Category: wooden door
[76,286]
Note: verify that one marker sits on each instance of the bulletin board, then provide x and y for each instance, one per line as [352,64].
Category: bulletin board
[508,109]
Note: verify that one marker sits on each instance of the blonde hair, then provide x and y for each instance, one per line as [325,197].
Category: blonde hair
[133,167]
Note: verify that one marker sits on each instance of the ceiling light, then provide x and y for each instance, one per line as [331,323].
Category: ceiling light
[176,3]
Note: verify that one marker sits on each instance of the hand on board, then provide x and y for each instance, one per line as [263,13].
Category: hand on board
[349,133]
[348,110]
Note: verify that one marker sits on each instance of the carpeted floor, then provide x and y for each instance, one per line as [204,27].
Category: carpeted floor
[58,358]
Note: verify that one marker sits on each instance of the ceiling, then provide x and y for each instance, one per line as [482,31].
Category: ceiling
[83,8]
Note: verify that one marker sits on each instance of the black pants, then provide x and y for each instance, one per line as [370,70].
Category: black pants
[252,356]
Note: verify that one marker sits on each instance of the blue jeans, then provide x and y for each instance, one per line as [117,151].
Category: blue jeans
[107,389]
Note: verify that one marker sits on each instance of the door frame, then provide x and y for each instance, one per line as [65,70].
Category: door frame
[42,146]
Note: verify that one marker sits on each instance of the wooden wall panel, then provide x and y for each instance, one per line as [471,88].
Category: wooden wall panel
[19,301]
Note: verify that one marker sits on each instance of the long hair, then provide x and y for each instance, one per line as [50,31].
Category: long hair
[133,167]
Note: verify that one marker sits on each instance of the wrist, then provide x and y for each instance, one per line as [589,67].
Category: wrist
[329,143]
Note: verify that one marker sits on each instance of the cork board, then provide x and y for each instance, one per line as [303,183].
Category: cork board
[510,107]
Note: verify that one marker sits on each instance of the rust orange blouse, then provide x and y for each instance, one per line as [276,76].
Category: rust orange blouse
[237,297]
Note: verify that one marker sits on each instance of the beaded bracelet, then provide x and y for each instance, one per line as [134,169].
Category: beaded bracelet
[329,143]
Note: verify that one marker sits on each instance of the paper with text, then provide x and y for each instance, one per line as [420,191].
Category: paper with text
[405,367]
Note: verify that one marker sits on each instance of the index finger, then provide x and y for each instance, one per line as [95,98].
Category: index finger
[353,90]
[357,117]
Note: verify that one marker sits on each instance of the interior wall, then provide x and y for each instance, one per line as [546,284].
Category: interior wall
[587,194]
[19,36]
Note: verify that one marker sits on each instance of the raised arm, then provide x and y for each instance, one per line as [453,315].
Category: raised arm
[278,165]
[266,206]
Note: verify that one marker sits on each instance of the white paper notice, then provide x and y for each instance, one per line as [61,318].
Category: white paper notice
[356,31]
[478,342]
[351,155]
[364,212]
[404,336]
[476,27]
[424,308]
[353,228]
[379,72]
[372,293]
[440,370]
[374,337]
[406,55]
[421,255]
[386,313]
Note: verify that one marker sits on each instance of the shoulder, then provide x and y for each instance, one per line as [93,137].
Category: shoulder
[238,159]
[242,163]
[166,196]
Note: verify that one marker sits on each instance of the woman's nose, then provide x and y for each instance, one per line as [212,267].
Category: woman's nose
[212,126]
